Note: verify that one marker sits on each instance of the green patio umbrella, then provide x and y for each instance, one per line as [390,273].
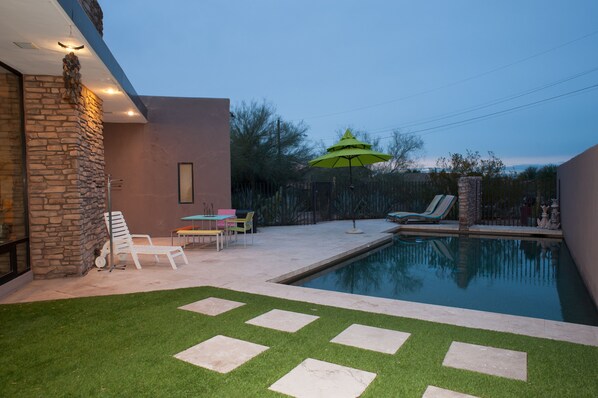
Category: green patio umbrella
[349,152]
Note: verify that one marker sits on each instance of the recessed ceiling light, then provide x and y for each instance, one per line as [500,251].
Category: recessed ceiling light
[112,91]
[26,45]
[131,113]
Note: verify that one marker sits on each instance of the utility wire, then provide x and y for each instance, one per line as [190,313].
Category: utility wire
[501,100]
[417,94]
[429,130]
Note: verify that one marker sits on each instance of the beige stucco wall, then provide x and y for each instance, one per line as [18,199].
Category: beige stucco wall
[578,187]
[146,156]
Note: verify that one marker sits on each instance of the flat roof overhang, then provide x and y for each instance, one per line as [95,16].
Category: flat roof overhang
[44,23]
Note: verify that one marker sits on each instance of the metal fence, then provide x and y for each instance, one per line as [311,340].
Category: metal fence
[505,201]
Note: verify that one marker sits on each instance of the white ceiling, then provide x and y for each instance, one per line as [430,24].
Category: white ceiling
[44,23]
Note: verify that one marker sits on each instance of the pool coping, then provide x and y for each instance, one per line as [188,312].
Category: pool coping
[516,324]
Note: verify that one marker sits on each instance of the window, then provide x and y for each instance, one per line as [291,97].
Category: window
[14,234]
[185,183]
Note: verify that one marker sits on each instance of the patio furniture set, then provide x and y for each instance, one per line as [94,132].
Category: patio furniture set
[227,227]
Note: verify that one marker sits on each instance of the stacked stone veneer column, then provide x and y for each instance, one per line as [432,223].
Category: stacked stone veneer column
[470,201]
[65,168]
[94,12]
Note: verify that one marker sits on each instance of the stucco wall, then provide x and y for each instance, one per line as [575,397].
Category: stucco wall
[578,187]
[145,156]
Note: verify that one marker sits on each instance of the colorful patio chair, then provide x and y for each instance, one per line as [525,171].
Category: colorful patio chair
[237,225]
[439,213]
[224,224]
[123,244]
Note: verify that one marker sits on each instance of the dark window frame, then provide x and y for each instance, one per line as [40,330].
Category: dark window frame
[11,246]
[192,183]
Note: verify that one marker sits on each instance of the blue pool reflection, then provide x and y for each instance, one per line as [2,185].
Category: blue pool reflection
[529,277]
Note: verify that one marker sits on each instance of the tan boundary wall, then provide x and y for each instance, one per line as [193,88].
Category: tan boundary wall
[578,194]
[146,157]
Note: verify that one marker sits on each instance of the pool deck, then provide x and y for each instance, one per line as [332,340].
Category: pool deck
[281,252]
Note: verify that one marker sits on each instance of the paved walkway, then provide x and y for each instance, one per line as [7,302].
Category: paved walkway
[316,378]
[279,252]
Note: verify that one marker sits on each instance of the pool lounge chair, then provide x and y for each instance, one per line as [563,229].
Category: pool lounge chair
[123,244]
[439,213]
[431,207]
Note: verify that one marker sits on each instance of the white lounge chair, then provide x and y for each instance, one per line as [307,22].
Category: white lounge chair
[123,244]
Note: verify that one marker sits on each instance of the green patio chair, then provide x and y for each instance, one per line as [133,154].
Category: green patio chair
[237,225]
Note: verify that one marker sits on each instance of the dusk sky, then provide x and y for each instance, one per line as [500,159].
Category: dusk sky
[476,75]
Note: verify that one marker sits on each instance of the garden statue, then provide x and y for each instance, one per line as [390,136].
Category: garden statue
[555,219]
[544,222]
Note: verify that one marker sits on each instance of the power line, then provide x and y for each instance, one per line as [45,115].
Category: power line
[485,104]
[430,130]
[453,83]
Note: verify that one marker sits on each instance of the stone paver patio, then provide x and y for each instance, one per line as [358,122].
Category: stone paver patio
[313,378]
[212,306]
[285,321]
[372,338]
[487,360]
[437,392]
[280,252]
[221,354]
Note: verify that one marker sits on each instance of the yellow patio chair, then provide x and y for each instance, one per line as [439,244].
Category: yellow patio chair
[237,225]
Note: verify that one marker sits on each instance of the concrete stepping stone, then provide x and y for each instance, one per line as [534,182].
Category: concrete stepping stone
[221,354]
[437,392]
[285,321]
[212,306]
[488,360]
[313,378]
[372,338]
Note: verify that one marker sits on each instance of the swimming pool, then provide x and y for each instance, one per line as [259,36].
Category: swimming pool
[529,277]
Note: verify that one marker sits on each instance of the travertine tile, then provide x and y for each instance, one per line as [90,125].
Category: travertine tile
[313,378]
[372,338]
[285,321]
[221,354]
[436,392]
[212,306]
[489,360]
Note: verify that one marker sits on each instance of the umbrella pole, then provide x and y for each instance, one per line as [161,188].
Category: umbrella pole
[352,188]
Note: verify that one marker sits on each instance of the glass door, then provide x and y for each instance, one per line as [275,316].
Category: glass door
[14,234]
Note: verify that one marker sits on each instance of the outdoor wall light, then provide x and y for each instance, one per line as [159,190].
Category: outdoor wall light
[69,46]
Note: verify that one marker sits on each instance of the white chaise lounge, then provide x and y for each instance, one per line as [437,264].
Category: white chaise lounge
[123,244]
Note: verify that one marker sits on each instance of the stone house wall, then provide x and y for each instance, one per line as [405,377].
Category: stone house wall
[65,170]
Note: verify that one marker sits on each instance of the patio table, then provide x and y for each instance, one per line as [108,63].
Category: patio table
[203,218]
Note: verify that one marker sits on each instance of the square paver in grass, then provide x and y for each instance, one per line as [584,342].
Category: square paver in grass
[313,378]
[212,306]
[372,338]
[285,321]
[221,354]
[437,392]
[488,360]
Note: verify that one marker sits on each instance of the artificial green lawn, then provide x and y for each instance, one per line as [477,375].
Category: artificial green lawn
[124,345]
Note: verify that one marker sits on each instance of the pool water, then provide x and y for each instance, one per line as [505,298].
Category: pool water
[529,277]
